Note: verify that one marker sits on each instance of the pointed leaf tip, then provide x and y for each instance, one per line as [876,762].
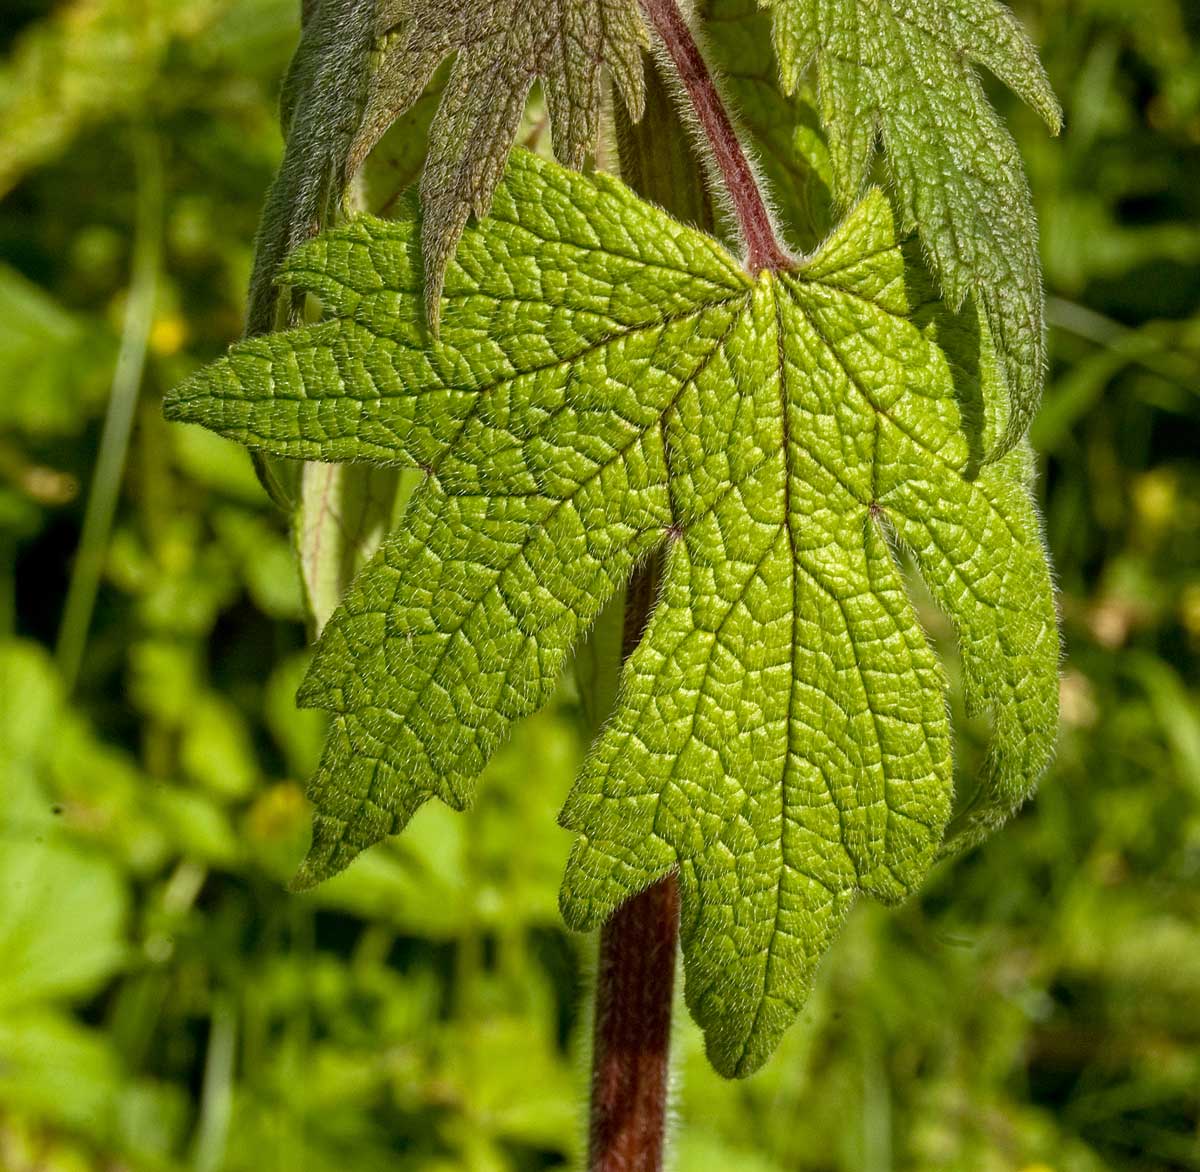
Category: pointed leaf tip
[499,48]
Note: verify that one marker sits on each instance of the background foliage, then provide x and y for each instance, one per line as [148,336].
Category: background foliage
[165,1005]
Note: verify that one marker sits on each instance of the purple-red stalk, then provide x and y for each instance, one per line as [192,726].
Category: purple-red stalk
[631,1066]
[635,985]
[763,249]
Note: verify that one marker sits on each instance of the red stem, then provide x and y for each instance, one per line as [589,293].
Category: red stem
[635,985]
[634,994]
[763,249]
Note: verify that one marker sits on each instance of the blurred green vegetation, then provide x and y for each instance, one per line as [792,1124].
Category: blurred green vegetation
[165,1005]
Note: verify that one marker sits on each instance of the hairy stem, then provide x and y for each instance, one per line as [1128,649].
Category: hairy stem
[635,988]
[763,247]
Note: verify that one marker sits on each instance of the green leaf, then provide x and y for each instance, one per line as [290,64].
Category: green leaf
[500,48]
[608,383]
[903,70]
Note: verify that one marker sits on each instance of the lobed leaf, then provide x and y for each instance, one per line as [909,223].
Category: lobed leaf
[607,383]
[903,70]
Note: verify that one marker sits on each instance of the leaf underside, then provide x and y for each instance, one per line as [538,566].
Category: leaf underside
[500,47]
[903,71]
[609,382]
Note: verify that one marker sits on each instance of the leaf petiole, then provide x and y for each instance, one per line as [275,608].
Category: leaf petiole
[764,251]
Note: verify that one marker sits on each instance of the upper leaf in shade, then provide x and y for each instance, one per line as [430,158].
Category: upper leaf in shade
[609,383]
[904,70]
[500,48]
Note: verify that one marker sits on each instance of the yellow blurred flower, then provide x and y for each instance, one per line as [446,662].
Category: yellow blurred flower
[168,334]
